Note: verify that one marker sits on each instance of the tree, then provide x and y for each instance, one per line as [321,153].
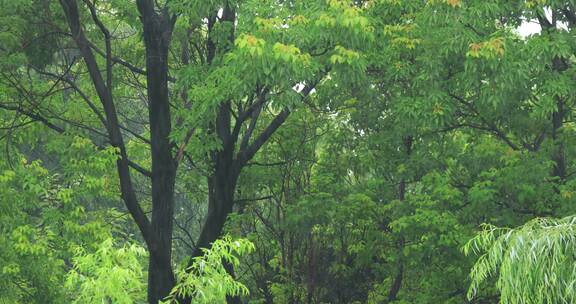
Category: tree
[221,105]
[533,263]
[350,141]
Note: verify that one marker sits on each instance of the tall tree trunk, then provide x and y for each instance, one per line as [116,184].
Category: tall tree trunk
[558,154]
[157,35]
[397,283]
[559,65]
[311,270]
[160,275]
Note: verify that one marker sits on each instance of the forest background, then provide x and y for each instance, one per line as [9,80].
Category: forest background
[281,151]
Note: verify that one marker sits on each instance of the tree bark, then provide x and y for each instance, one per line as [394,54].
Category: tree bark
[559,65]
[558,155]
[157,35]
[311,271]
[222,185]
[397,283]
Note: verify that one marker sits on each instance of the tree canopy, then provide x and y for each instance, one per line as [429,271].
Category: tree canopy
[283,151]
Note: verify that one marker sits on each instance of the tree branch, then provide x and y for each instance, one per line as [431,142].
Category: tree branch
[70,9]
[41,119]
[489,126]
[125,63]
[255,113]
[249,151]
[79,91]
[107,42]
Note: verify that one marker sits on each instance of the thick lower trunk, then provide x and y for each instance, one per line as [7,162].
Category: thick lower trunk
[396,284]
[212,227]
[311,271]
[222,185]
[231,299]
[160,279]
[220,203]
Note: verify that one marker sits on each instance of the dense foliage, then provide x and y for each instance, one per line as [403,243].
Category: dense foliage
[284,151]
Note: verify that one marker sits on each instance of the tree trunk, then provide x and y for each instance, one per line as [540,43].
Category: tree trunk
[558,155]
[157,35]
[221,188]
[222,185]
[397,283]
[311,270]
[160,278]
[559,64]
